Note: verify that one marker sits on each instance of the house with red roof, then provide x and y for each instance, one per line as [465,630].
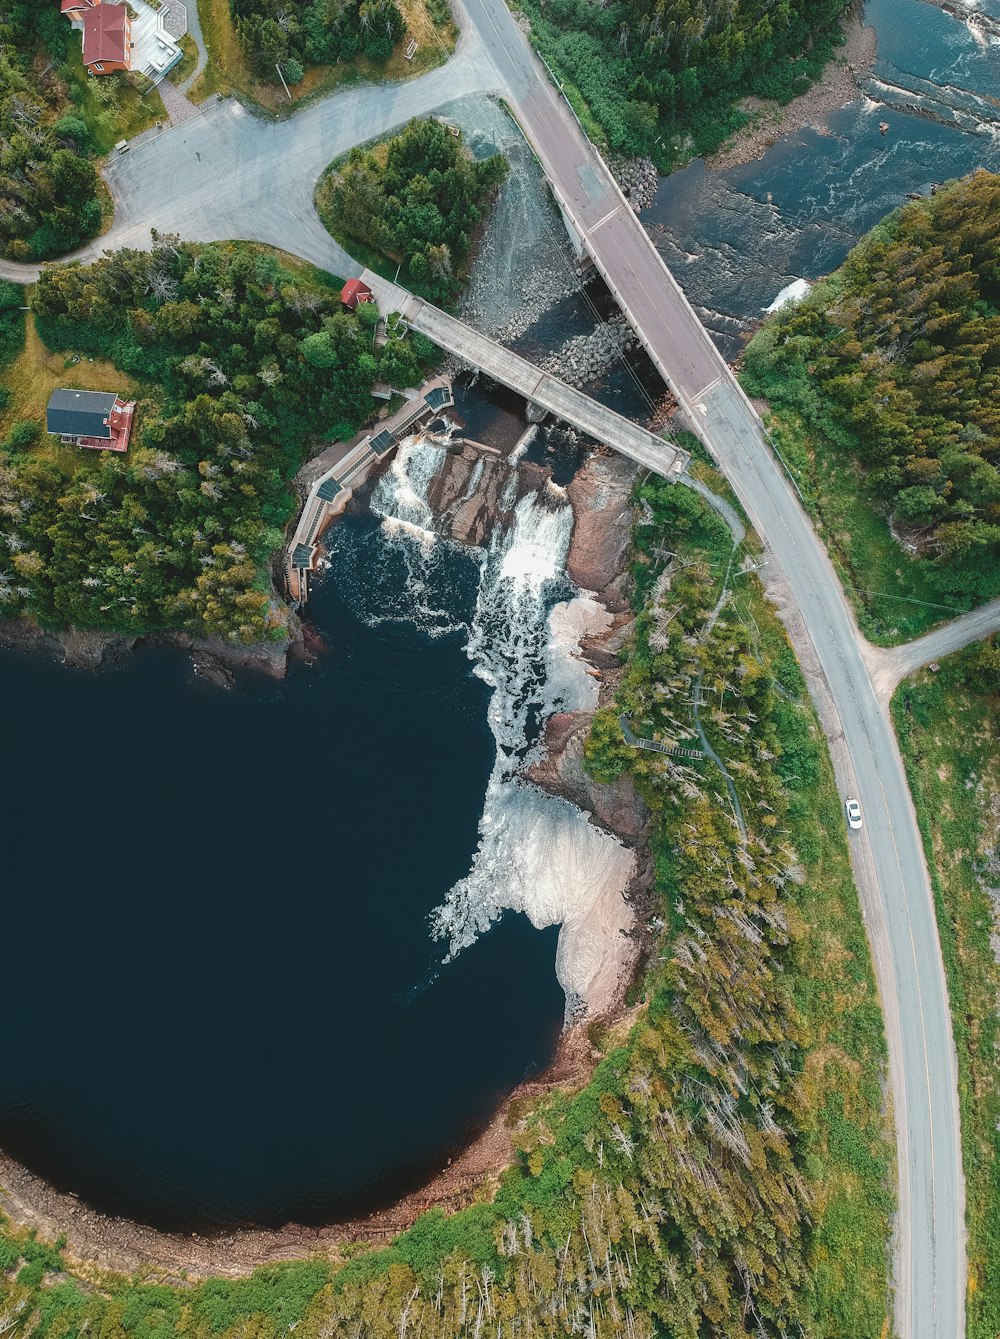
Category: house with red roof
[107,38]
[74,10]
[355,292]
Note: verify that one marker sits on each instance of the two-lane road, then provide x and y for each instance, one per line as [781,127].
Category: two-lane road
[887,855]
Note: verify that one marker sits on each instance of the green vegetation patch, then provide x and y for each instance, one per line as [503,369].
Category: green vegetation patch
[726,1170]
[12,299]
[885,389]
[317,45]
[665,81]
[948,725]
[411,202]
[188,61]
[48,186]
[239,364]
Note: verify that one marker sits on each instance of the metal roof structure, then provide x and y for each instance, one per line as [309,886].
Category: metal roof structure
[302,556]
[383,442]
[438,397]
[72,413]
[355,291]
[328,489]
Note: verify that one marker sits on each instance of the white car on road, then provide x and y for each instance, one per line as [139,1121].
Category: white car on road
[854,819]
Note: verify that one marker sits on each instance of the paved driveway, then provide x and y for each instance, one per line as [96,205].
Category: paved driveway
[229,175]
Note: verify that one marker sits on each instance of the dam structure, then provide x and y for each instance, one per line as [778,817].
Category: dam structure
[538,388]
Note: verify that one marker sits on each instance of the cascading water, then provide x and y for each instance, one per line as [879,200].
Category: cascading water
[537,853]
[400,496]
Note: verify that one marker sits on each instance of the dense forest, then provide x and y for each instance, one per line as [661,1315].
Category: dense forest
[319,32]
[724,1172]
[417,199]
[242,363]
[48,186]
[895,359]
[662,77]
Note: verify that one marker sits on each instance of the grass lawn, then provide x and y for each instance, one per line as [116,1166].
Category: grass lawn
[37,372]
[228,72]
[950,739]
[190,59]
[131,111]
[892,595]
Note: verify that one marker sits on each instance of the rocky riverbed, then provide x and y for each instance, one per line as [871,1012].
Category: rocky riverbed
[584,358]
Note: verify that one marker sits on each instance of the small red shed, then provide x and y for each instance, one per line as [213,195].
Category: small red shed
[354,292]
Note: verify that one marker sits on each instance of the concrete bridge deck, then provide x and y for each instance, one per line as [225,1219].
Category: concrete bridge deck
[568,404]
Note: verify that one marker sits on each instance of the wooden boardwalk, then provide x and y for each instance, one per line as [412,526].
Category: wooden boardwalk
[330,475]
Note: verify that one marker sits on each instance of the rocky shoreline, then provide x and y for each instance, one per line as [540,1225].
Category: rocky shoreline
[600,495]
[840,83]
[215,660]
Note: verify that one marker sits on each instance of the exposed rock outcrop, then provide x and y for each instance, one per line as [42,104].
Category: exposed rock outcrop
[214,659]
[600,497]
[616,806]
[471,493]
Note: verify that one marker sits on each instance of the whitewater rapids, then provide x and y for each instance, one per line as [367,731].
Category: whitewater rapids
[537,853]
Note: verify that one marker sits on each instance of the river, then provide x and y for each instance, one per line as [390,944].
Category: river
[226,1000]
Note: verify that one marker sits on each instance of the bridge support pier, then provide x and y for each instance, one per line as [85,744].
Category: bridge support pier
[576,241]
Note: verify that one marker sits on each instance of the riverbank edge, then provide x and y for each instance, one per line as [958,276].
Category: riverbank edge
[839,84]
[599,555]
[214,659]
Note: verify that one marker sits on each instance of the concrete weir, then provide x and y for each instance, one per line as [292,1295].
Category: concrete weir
[540,388]
[330,483]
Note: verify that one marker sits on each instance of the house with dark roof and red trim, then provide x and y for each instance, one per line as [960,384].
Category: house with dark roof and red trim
[98,420]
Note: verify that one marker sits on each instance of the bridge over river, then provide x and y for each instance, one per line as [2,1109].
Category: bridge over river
[244,178]
[540,388]
[887,855]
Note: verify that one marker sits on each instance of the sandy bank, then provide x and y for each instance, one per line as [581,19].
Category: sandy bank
[126,1247]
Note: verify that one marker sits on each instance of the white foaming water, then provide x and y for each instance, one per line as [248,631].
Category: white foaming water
[794,292]
[537,853]
[400,497]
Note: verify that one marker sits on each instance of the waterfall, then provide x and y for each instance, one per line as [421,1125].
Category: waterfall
[430,597]
[400,496]
[537,853]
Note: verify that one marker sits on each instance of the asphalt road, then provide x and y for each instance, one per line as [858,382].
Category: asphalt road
[887,854]
[890,665]
[228,175]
